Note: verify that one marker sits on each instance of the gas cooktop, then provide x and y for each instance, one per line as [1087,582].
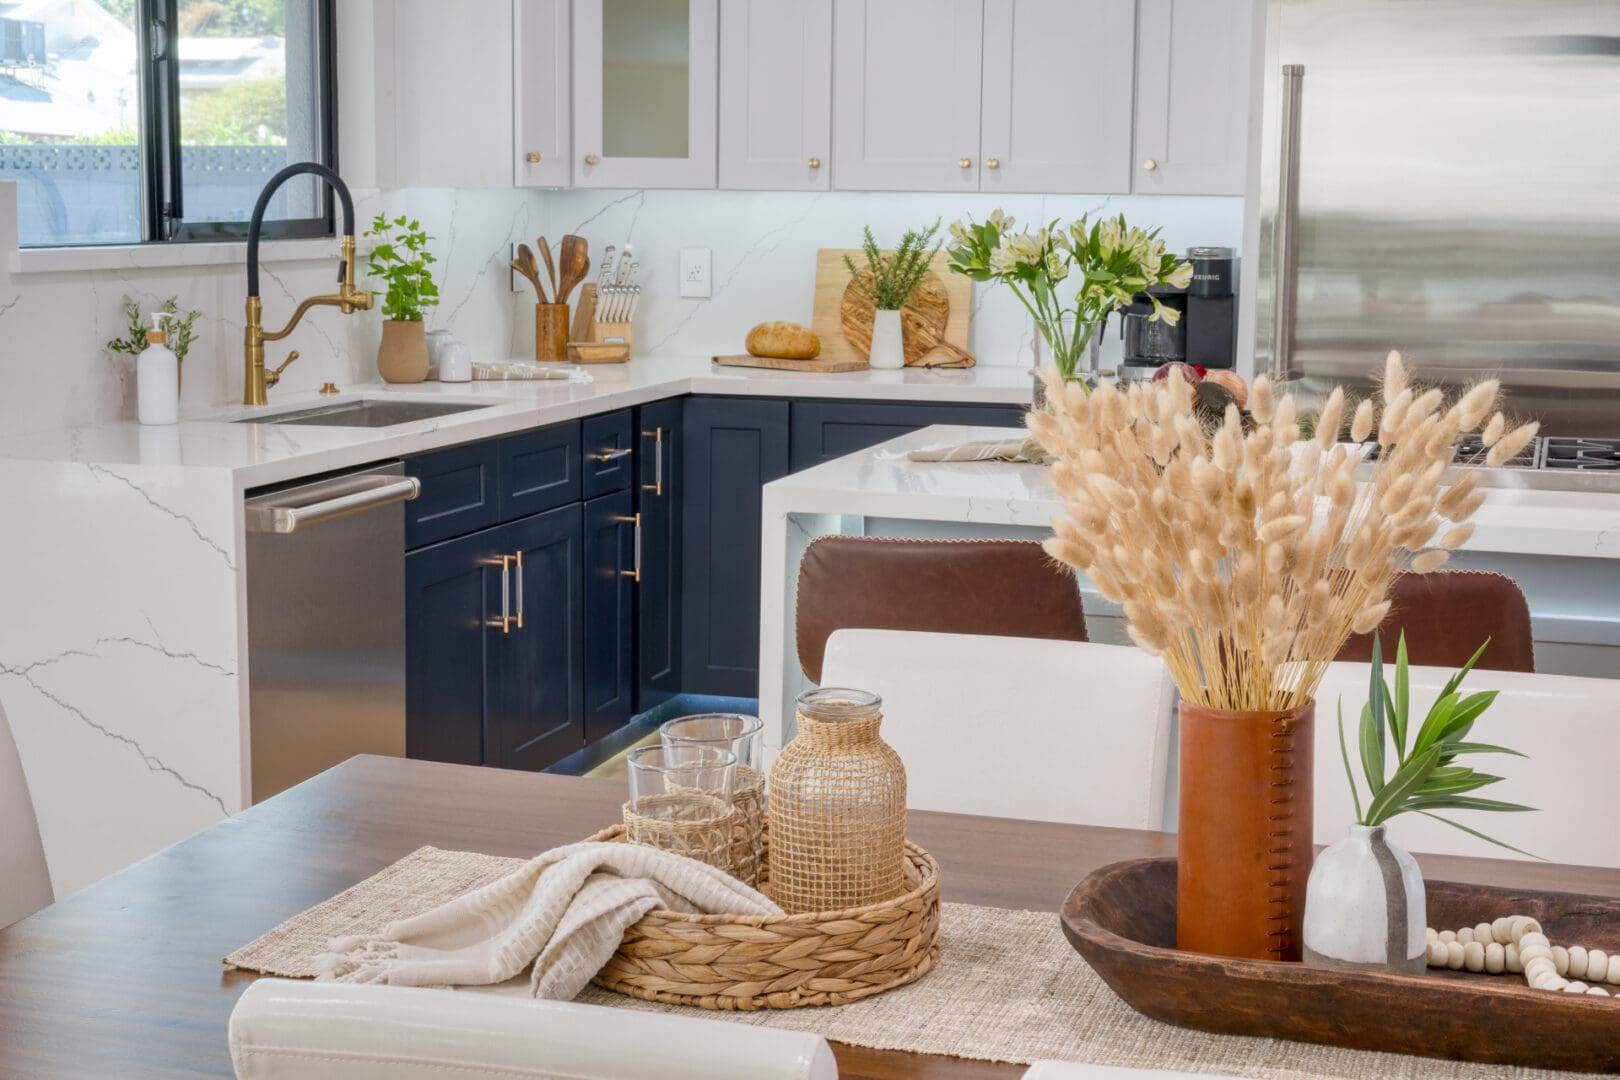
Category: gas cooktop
[1553,462]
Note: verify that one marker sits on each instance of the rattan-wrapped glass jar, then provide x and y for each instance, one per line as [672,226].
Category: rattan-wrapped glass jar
[838,808]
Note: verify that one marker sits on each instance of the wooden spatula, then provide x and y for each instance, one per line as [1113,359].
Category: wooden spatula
[576,263]
[551,268]
[525,265]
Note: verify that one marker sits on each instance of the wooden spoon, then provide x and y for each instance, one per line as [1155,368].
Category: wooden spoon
[551,268]
[525,265]
[576,263]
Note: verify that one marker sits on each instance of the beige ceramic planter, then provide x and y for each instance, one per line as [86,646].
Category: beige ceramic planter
[403,355]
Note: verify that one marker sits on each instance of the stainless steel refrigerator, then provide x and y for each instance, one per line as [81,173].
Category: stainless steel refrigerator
[1443,177]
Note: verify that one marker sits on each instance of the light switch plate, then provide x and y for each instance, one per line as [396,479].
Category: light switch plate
[696,273]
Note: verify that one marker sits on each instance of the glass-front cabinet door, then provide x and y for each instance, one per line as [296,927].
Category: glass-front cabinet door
[645,80]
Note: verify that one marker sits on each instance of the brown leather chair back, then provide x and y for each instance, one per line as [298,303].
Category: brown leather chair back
[1446,615]
[1005,588]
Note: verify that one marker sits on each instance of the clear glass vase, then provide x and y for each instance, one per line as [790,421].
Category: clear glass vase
[1054,345]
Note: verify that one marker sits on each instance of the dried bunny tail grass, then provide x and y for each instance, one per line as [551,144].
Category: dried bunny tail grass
[1361,426]
[1368,618]
[1330,420]
[1457,536]
[1261,400]
[1395,378]
[1510,444]
[1494,430]
[1425,562]
[1477,404]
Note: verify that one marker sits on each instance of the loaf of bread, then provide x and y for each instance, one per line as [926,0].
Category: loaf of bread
[784,341]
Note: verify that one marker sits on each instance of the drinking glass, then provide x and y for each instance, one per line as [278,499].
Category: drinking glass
[740,734]
[680,801]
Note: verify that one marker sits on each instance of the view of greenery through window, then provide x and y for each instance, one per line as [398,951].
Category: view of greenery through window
[71,116]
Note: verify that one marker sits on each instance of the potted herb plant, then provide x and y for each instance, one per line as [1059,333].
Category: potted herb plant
[1364,902]
[1110,262]
[400,259]
[888,282]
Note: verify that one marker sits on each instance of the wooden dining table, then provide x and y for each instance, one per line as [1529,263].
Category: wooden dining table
[124,978]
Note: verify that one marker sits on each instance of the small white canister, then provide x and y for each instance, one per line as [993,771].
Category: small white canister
[455,362]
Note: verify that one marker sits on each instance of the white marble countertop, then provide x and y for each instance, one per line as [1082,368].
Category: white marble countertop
[258,454]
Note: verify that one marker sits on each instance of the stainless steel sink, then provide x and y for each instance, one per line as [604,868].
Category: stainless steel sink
[365,413]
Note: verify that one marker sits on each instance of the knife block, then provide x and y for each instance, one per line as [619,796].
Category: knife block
[588,330]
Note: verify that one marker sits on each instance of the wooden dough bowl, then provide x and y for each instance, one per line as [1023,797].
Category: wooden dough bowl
[1122,919]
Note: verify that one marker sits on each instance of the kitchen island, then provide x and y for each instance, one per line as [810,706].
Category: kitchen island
[124,654]
[1562,547]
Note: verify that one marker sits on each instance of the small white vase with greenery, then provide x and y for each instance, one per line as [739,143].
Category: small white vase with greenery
[400,259]
[888,282]
[1110,262]
[1365,902]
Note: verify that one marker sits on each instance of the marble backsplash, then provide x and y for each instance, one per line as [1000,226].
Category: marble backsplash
[764,251]
[55,370]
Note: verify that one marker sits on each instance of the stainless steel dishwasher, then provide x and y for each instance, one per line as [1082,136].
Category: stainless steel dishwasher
[326,622]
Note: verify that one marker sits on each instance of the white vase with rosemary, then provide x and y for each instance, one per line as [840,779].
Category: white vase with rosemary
[1109,261]
[888,282]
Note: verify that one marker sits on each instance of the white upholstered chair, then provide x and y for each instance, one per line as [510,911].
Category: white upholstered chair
[1569,726]
[1018,727]
[283,1029]
[25,884]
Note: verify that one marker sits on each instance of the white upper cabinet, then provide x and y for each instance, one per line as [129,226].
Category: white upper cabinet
[445,94]
[1192,96]
[776,94]
[645,78]
[906,94]
[1057,95]
[541,99]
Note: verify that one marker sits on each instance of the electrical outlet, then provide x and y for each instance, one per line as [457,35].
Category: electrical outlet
[696,273]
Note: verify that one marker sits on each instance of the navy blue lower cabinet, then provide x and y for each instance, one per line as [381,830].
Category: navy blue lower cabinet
[539,470]
[450,590]
[658,593]
[608,447]
[823,430]
[459,493]
[610,585]
[535,670]
[731,447]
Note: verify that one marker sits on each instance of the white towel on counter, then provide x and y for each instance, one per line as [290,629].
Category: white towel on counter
[564,912]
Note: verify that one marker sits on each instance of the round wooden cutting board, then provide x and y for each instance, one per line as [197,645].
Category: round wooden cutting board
[922,323]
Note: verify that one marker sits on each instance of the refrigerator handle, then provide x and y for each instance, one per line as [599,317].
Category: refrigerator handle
[1285,262]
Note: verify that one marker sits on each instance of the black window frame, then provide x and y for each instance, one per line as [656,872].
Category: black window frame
[162,188]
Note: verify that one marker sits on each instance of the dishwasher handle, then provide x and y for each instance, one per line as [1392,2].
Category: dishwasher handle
[345,495]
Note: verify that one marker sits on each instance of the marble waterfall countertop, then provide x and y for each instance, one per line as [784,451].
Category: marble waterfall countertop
[1563,547]
[123,649]
[258,454]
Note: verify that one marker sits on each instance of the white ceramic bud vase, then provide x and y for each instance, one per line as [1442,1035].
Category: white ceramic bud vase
[1365,907]
[888,348]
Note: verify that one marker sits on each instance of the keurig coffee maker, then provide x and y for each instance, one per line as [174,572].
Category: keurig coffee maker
[1206,332]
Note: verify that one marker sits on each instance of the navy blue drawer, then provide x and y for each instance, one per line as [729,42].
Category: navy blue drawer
[459,493]
[539,470]
[609,449]
[824,430]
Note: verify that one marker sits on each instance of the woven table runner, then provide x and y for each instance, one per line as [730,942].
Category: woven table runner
[1008,987]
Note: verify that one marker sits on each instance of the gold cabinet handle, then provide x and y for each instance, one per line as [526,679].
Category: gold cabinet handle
[592,159]
[657,486]
[533,156]
[1149,165]
[992,163]
[505,620]
[964,163]
[815,163]
[517,582]
[614,455]
[633,574]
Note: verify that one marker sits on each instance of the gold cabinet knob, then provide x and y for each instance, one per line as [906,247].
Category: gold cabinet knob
[964,163]
[992,163]
[592,159]
[815,163]
[1149,165]
[533,157]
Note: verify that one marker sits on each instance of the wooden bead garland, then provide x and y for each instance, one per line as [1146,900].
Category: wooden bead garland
[1515,944]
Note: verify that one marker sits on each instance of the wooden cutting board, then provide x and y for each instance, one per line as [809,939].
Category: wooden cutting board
[776,363]
[937,315]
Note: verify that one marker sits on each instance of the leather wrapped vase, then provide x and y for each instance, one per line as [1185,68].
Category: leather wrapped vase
[1244,845]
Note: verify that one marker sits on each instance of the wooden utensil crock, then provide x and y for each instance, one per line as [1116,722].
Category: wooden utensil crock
[551,332]
[1244,843]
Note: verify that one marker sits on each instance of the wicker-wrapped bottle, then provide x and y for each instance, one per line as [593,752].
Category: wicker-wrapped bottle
[838,808]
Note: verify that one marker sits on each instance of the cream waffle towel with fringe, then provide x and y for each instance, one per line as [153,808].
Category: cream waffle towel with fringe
[564,912]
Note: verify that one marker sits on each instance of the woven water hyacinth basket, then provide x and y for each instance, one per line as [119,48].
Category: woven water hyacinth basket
[748,962]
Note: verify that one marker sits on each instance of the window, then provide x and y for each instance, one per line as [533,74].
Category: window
[115,136]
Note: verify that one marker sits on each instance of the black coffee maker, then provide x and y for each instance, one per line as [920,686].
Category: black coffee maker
[1206,332]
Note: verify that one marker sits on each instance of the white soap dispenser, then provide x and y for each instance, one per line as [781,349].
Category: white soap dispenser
[157,377]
